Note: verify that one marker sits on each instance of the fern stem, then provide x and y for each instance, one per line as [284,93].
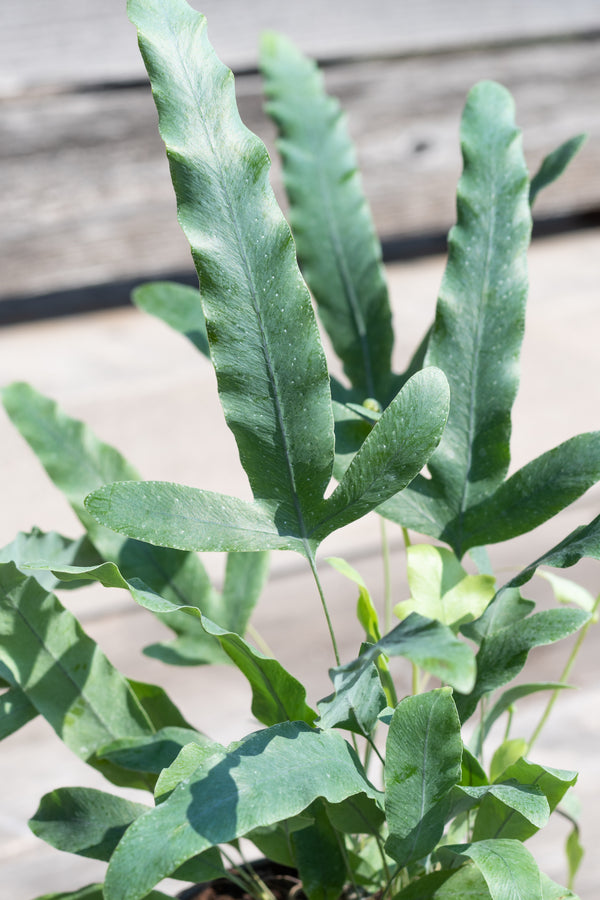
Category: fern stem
[387,582]
[247,879]
[415,679]
[386,869]
[259,640]
[373,746]
[313,566]
[564,675]
[347,863]
[479,748]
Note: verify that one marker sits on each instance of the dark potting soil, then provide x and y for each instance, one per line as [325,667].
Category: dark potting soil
[282,881]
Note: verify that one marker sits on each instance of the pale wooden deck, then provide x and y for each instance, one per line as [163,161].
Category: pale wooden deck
[85,195]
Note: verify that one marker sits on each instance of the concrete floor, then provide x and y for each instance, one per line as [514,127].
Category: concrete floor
[147,391]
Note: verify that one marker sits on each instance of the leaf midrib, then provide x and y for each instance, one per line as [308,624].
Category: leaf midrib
[200,26]
[378,475]
[509,871]
[491,205]
[424,781]
[338,249]
[336,513]
[343,268]
[233,526]
[512,811]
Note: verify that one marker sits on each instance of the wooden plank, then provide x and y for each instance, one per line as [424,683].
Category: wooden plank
[87,197]
[83,41]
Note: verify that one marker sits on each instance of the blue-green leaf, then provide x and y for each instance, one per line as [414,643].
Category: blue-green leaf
[276,695]
[509,697]
[473,774]
[503,653]
[423,763]
[108,574]
[75,460]
[271,370]
[428,644]
[523,501]
[52,547]
[186,518]
[190,758]
[244,577]
[507,608]
[154,752]
[528,801]
[508,868]
[479,323]
[96,892]
[554,783]
[554,164]
[583,542]
[396,449]
[337,245]
[500,817]
[268,777]
[516,815]
[421,507]
[89,892]
[360,814]
[480,313]
[63,673]
[357,700]
[351,429]
[319,857]
[84,821]
[466,883]
[178,305]
[190,519]
[15,711]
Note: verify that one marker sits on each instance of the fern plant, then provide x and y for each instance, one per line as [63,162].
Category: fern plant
[367,794]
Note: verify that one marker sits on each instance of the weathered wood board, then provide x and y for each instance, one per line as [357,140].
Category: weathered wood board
[86,191]
[85,196]
[83,41]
